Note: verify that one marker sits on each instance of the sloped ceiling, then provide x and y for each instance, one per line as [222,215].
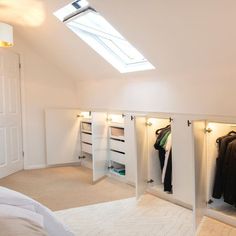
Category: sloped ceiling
[180,38]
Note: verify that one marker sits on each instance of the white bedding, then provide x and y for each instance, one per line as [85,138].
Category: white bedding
[8,211]
[16,204]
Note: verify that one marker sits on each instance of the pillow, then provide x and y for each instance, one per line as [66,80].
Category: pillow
[52,225]
[20,227]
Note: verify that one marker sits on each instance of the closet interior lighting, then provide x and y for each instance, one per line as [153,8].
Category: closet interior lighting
[211,126]
[151,121]
[84,114]
[148,123]
[115,118]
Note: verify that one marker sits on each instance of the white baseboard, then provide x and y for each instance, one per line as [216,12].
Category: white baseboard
[168,197]
[32,167]
[221,216]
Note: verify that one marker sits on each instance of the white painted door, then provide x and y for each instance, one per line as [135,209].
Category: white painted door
[62,136]
[199,152]
[142,155]
[11,158]
[130,150]
[99,145]
[182,160]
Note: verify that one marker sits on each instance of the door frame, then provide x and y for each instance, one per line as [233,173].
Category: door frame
[23,108]
[21,102]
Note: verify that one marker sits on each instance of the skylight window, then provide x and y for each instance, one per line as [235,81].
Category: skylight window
[99,34]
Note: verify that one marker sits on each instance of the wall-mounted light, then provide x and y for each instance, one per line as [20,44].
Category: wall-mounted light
[148,123]
[85,114]
[115,118]
[6,35]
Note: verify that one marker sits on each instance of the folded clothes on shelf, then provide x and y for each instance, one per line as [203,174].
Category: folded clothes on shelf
[120,171]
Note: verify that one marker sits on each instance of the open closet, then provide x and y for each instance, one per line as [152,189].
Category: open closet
[215,175]
[116,146]
[122,150]
[159,159]
[77,137]
[86,139]
[101,141]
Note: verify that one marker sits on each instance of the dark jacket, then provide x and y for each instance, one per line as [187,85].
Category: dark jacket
[168,176]
[229,173]
[219,181]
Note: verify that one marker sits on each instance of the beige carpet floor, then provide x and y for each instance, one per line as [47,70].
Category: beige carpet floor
[66,187]
[109,202]
[211,227]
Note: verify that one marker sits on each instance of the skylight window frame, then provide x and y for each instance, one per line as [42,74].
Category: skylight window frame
[100,41]
[110,55]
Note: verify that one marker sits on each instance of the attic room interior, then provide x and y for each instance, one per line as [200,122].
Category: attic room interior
[117,118]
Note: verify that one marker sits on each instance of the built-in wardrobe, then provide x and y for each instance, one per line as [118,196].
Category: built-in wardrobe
[74,136]
[123,146]
[213,169]
[101,141]
[149,172]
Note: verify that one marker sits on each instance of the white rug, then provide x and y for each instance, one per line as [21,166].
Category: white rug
[150,216]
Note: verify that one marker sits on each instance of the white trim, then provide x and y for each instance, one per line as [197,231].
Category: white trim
[23,110]
[32,167]
[220,216]
[168,197]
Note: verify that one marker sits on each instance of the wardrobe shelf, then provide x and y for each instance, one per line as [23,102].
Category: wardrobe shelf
[116,125]
[219,206]
[86,127]
[117,145]
[117,157]
[86,137]
[86,147]
[87,120]
[86,131]
[120,138]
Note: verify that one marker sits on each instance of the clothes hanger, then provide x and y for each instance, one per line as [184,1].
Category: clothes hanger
[231,132]
[158,130]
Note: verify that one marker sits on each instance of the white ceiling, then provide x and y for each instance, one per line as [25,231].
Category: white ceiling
[178,37]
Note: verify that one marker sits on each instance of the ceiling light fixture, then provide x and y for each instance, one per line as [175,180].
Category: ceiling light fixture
[6,35]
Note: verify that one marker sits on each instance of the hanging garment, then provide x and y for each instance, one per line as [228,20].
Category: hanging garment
[229,173]
[220,165]
[168,175]
[167,154]
[164,139]
[164,157]
[160,134]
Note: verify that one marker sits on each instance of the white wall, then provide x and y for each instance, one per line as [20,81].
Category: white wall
[44,86]
[191,44]
[206,93]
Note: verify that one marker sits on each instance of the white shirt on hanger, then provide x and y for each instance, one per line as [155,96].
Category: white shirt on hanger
[167,148]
